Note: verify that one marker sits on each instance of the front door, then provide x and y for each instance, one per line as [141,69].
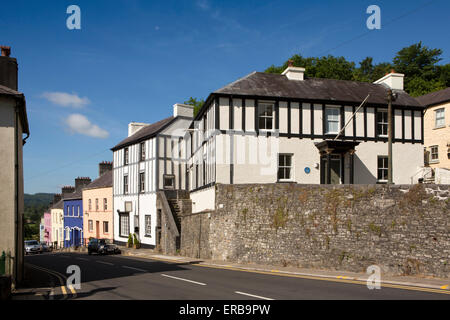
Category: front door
[335,169]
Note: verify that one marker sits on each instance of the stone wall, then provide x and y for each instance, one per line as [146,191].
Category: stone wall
[403,229]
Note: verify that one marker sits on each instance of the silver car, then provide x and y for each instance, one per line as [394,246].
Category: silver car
[32,246]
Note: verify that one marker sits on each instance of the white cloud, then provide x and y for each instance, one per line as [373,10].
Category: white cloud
[203,4]
[80,124]
[66,99]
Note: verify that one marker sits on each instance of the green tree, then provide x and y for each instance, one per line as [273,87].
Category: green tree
[328,67]
[419,64]
[198,104]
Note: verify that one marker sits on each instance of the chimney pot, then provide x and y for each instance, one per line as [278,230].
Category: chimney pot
[290,63]
[6,51]
[104,167]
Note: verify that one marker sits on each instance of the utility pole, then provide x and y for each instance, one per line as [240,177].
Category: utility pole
[391,97]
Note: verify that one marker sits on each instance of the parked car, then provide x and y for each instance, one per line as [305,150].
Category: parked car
[32,246]
[45,247]
[102,246]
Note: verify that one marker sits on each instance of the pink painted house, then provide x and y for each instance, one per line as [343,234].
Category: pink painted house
[47,227]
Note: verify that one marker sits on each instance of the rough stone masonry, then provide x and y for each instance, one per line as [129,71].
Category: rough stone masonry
[403,229]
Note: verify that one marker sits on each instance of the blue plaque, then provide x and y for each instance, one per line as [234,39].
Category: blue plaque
[307,170]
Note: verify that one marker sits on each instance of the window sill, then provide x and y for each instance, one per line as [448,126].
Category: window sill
[440,127]
[285,181]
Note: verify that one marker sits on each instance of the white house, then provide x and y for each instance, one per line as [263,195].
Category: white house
[150,159]
[271,128]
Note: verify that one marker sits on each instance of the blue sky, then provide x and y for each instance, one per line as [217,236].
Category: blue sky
[132,60]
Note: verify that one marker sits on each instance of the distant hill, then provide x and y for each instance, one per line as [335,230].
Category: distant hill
[38,199]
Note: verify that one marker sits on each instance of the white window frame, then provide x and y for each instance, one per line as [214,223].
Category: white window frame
[126,156]
[148,227]
[291,167]
[142,153]
[265,116]
[127,189]
[382,123]
[90,225]
[141,182]
[383,168]
[121,225]
[105,204]
[439,118]
[327,121]
[434,160]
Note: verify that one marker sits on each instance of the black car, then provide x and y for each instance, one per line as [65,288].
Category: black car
[102,246]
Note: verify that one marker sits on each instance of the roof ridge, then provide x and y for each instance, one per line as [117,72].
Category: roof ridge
[235,81]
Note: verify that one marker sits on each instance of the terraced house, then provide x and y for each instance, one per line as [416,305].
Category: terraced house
[73,214]
[97,205]
[148,163]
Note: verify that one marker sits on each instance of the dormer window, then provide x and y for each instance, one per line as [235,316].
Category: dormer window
[265,116]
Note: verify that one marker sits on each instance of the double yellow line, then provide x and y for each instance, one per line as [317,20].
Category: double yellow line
[61,278]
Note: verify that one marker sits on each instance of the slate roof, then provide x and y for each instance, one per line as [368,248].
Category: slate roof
[104,181]
[22,105]
[58,205]
[435,97]
[276,85]
[74,196]
[145,133]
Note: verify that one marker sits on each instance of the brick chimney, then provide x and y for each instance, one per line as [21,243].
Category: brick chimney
[104,167]
[81,182]
[66,190]
[8,69]
[56,198]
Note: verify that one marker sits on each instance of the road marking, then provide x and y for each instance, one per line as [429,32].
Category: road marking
[108,263]
[83,259]
[252,295]
[72,289]
[137,269]
[313,277]
[195,282]
[58,275]
[301,276]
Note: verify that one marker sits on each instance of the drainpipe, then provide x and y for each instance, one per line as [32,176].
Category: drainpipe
[16,194]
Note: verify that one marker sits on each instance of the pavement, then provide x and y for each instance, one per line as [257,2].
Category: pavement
[144,274]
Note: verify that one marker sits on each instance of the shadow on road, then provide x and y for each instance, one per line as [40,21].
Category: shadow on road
[101,267]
